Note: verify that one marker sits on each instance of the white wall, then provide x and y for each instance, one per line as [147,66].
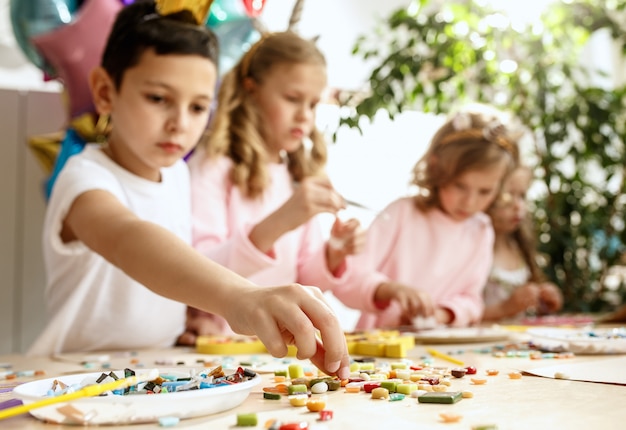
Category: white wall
[22,207]
[338,23]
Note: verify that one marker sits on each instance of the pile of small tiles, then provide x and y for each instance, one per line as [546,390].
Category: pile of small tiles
[13,374]
[390,381]
[164,383]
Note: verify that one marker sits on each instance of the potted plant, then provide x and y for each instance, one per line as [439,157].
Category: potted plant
[433,55]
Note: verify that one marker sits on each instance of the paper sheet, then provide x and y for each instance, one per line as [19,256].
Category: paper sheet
[607,371]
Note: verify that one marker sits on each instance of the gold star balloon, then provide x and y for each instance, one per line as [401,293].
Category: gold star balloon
[200,8]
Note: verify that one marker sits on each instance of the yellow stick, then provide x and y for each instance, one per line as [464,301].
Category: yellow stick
[88,391]
[443,356]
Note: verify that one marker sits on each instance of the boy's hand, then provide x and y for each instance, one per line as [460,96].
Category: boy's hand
[293,315]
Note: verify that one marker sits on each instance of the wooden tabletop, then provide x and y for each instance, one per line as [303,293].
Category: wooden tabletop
[531,402]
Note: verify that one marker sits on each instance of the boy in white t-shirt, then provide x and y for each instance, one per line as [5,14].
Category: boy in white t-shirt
[116,242]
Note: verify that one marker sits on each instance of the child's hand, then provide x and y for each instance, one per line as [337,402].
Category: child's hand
[313,196]
[551,297]
[412,301]
[346,238]
[522,299]
[198,323]
[292,315]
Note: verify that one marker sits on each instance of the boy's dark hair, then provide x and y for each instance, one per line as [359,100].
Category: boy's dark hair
[139,27]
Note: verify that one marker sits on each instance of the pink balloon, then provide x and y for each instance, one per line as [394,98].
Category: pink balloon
[75,49]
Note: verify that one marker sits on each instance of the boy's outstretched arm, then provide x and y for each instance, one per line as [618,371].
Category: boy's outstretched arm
[292,315]
[158,259]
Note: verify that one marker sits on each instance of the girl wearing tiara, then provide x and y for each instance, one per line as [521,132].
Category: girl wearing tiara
[431,252]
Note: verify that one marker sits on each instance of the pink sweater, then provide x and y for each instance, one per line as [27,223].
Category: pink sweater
[426,250]
[223,218]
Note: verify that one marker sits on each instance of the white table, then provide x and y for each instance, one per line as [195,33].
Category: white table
[528,403]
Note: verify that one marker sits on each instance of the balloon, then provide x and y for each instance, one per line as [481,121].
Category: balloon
[33,17]
[254,7]
[75,49]
[82,129]
[72,144]
[235,38]
[224,11]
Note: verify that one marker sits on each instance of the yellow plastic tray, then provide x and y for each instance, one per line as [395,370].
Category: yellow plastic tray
[376,343]
[234,345]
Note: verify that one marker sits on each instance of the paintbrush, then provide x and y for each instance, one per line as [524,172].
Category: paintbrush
[358,205]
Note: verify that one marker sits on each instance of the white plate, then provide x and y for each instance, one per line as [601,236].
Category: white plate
[138,408]
[581,341]
[461,335]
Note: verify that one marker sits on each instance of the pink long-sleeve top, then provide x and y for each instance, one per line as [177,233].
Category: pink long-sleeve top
[223,218]
[426,250]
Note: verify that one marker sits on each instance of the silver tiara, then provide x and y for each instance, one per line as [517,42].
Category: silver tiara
[461,121]
[494,131]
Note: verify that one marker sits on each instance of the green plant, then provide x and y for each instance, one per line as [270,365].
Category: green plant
[434,55]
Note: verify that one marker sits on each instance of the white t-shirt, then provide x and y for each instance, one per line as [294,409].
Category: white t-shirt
[93,305]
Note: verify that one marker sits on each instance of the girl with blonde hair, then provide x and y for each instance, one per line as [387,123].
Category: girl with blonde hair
[258,180]
[427,256]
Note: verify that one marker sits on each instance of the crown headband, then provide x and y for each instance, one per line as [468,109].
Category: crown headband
[492,132]
[199,8]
